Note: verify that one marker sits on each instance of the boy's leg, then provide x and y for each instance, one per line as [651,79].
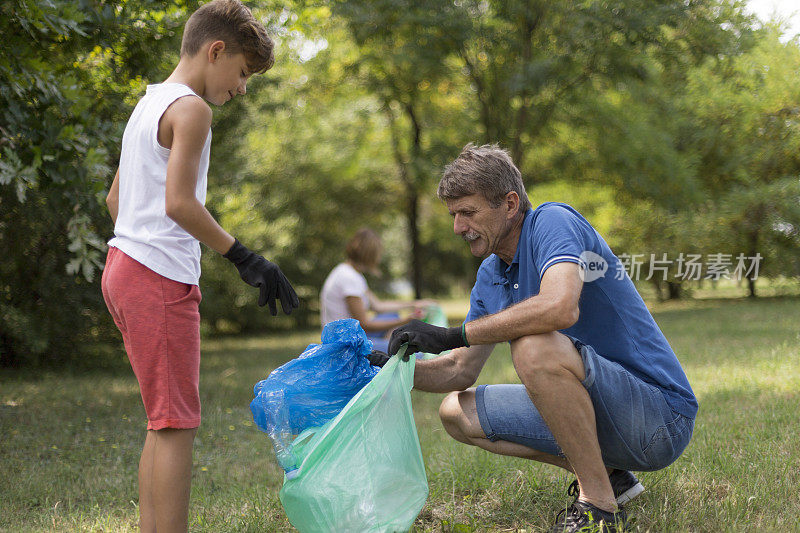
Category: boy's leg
[147,511]
[162,337]
[171,478]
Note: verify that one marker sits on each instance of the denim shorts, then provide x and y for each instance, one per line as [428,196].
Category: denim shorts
[636,427]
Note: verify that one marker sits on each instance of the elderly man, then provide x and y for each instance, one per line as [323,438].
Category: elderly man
[602,392]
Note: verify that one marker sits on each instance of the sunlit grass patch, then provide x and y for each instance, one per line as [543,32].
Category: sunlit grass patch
[70,443]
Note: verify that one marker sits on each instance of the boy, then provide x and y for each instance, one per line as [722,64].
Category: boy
[153,265]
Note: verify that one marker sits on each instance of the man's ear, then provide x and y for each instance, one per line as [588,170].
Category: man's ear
[215,49]
[512,204]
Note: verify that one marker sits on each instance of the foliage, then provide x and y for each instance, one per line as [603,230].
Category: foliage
[535,77]
[402,60]
[734,133]
[66,73]
[314,174]
[750,150]
[672,125]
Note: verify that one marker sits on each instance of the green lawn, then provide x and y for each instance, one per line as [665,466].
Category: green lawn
[70,443]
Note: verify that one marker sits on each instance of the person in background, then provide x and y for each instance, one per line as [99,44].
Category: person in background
[345,293]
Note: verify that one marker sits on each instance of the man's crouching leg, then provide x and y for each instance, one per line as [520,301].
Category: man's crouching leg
[552,371]
[459,415]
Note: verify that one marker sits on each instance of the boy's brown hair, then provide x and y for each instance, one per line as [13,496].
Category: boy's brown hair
[233,23]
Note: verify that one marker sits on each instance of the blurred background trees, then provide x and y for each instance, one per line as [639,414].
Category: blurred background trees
[69,73]
[673,126]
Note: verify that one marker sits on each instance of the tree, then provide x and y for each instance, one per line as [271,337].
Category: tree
[527,69]
[705,158]
[315,170]
[65,82]
[402,60]
[529,61]
[747,112]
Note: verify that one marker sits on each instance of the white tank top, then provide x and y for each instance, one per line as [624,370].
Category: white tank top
[143,230]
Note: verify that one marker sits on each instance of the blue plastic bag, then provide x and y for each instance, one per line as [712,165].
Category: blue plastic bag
[312,389]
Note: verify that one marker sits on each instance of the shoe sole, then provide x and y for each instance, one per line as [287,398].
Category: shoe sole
[630,494]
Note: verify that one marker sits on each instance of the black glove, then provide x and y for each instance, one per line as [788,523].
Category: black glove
[422,337]
[258,272]
[378,358]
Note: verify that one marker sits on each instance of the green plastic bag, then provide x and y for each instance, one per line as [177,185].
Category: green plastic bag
[363,470]
[434,315]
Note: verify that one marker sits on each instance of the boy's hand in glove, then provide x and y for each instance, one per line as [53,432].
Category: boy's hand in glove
[422,337]
[267,276]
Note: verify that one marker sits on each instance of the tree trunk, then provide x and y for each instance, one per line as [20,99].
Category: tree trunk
[412,212]
[408,173]
[673,290]
[751,283]
[412,196]
[532,19]
[8,358]
[657,286]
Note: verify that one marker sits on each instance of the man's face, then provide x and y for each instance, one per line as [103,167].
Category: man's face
[478,223]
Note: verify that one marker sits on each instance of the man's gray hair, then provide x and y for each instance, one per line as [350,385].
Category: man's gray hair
[487,170]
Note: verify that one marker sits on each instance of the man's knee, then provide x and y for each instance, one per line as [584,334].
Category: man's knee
[455,418]
[546,354]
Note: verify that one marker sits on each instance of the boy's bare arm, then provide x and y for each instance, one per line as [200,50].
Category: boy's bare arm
[183,128]
[112,200]
[186,124]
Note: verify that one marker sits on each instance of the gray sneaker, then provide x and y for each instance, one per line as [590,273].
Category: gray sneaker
[583,517]
[624,484]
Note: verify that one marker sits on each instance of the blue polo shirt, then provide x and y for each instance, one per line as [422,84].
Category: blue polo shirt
[613,317]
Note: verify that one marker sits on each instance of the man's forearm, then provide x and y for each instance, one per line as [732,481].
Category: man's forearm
[441,374]
[457,370]
[555,307]
[536,315]
[192,216]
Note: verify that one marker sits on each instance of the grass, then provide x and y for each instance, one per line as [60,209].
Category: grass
[70,441]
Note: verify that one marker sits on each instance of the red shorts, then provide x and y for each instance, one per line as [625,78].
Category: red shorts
[160,324]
